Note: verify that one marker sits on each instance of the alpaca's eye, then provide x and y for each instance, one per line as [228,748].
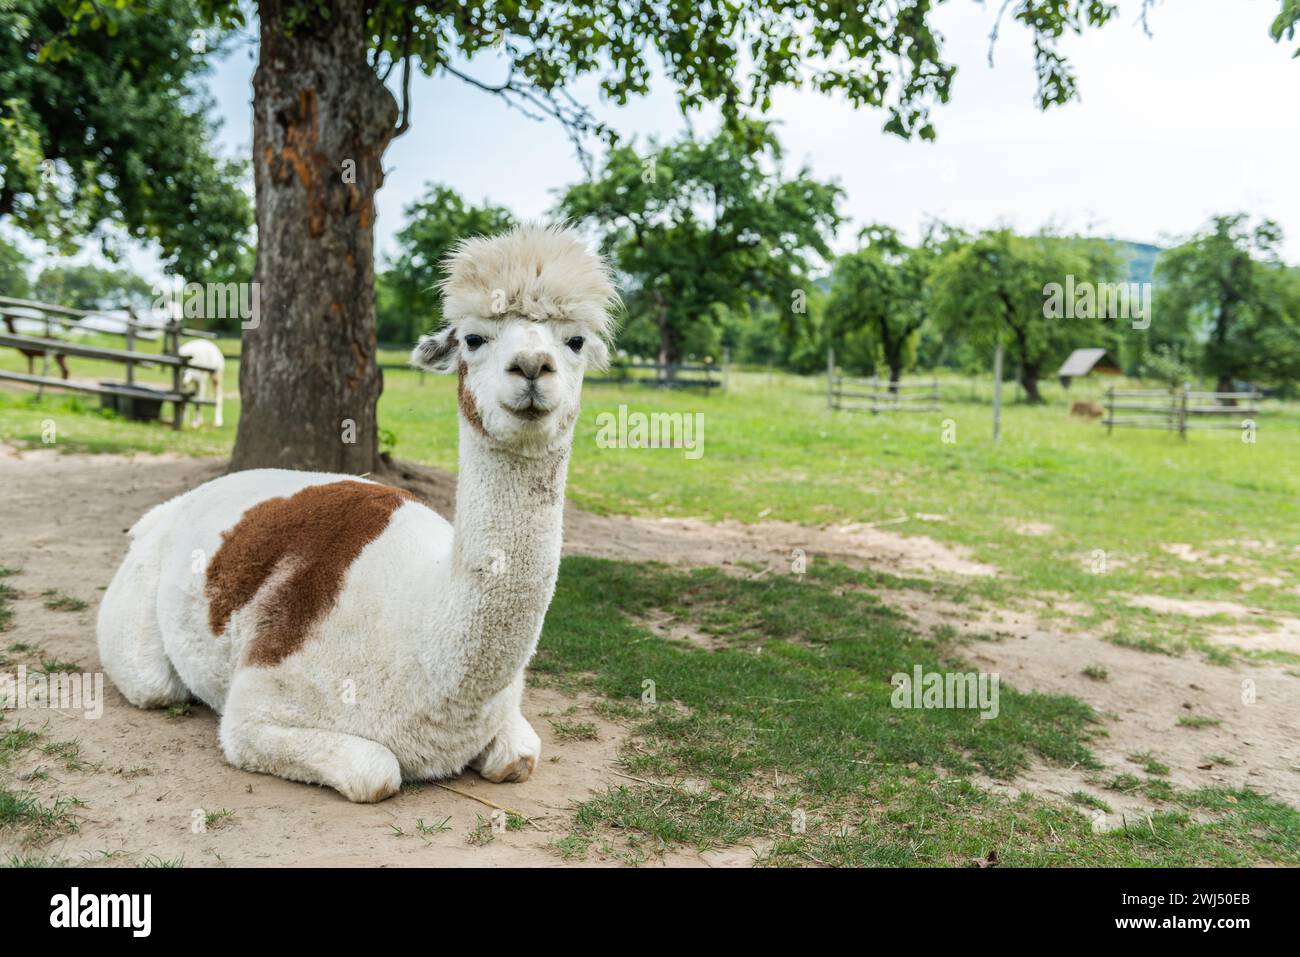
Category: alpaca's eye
[575,343]
[474,342]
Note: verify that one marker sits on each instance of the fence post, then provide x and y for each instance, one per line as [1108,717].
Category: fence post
[726,363]
[175,331]
[130,345]
[1110,410]
[1182,412]
[45,359]
[997,393]
[830,377]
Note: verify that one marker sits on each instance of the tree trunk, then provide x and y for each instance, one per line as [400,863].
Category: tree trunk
[309,379]
[1029,379]
[667,348]
[895,374]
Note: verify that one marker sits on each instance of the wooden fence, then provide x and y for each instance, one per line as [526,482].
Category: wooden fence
[1180,410]
[876,395]
[706,376]
[132,329]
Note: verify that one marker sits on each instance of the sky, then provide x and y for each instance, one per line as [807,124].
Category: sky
[1197,119]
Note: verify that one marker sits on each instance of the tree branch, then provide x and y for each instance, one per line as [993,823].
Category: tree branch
[404,123]
[537,103]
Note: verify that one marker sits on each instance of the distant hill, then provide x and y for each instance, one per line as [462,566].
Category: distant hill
[1141,259]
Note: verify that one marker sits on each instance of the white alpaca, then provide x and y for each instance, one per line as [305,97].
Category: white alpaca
[348,635]
[205,369]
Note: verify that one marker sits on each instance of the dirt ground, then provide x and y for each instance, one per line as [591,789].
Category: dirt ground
[145,777]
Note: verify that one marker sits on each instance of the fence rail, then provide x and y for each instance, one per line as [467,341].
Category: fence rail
[662,375]
[845,392]
[47,347]
[1179,410]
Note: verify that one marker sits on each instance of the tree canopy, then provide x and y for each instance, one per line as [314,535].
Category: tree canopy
[101,125]
[91,287]
[995,290]
[879,300]
[1236,306]
[700,228]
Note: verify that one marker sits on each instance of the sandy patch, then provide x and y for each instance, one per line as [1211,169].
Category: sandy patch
[667,625]
[773,543]
[1140,703]
[1189,554]
[1193,608]
[147,773]
[691,541]
[1144,696]
[1282,634]
[1032,529]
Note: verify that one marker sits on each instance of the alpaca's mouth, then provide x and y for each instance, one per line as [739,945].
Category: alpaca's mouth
[530,412]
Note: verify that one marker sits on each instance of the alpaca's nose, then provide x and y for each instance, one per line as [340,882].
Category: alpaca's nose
[531,365]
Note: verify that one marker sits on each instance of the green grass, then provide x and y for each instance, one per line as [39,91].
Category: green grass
[574,730]
[1150,763]
[212,819]
[773,449]
[794,718]
[14,742]
[7,594]
[22,810]
[784,739]
[57,601]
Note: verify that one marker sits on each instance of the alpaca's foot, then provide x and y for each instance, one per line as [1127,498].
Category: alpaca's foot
[362,770]
[512,755]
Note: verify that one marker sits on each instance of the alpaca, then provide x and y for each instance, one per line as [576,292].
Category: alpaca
[204,371]
[347,634]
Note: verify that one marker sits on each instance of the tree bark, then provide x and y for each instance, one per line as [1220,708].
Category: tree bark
[309,380]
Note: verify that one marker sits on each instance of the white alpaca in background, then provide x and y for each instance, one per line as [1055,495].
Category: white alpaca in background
[348,635]
[205,369]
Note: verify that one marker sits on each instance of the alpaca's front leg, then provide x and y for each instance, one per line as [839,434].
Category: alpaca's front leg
[216,394]
[361,770]
[512,755]
[197,420]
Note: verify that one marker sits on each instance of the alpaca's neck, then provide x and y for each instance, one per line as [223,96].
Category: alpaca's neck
[505,557]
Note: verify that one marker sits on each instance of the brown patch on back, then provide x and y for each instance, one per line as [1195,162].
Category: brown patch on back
[467,404]
[300,547]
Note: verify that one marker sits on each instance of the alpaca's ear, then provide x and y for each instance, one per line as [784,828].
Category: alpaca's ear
[437,352]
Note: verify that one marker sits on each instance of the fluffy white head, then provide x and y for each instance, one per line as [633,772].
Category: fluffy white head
[525,314]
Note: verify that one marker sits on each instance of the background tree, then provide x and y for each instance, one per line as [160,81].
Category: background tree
[1225,289]
[14,281]
[878,303]
[92,287]
[323,117]
[994,288]
[409,303]
[702,229]
[101,126]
